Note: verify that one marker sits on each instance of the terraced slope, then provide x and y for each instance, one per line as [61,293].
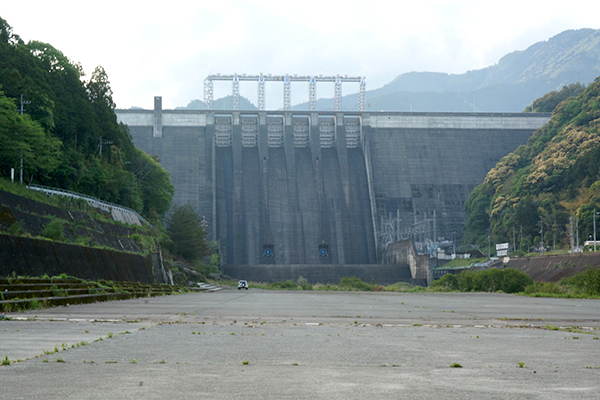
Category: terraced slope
[32,293]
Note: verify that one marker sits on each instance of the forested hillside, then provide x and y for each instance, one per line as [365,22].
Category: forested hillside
[68,135]
[555,175]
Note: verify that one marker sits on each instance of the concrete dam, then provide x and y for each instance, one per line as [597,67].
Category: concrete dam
[288,188]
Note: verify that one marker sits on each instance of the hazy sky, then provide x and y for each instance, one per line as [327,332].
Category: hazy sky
[166,48]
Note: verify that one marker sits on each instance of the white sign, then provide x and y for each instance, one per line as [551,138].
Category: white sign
[502,253]
[502,246]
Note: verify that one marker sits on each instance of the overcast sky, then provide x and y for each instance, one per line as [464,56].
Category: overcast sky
[166,49]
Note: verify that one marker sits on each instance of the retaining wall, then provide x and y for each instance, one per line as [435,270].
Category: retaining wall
[553,268]
[36,257]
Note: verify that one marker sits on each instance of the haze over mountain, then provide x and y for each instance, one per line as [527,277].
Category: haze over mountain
[224,103]
[510,85]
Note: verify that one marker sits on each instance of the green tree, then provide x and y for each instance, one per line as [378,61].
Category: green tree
[21,137]
[188,233]
[70,137]
[549,101]
[156,187]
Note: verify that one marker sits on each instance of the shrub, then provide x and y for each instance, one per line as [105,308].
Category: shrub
[466,281]
[303,283]
[587,282]
[283,285]
[326,288]
[34,304]
[405,287]
[144,242]
[15,229]
[289,284]
[513,280]
[544,287]
[508,280]
[447,282]
[56,292]
[354,283]
[54,230]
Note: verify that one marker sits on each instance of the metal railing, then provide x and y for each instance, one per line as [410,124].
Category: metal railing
[92,201]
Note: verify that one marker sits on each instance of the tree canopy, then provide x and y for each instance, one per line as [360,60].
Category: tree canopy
[69,135]
[188,233]
[555,175]
[549,101]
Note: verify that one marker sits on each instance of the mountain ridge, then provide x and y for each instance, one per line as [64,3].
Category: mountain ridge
[510,85]
[569,57]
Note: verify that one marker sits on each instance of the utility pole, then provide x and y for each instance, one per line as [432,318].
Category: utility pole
[22,111]
[22,103]
[103,142]
[454,244]
[571,234]
[489,241]
[577,229]
[434,229]
[521,237]
[542,234]
[594,231]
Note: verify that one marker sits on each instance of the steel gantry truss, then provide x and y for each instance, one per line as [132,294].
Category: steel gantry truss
[287,89]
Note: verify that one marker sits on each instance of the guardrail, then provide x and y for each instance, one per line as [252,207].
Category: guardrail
[92,201]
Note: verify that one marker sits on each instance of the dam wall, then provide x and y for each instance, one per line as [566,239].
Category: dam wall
[310,188]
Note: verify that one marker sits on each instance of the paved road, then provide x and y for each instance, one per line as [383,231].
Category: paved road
[306,345]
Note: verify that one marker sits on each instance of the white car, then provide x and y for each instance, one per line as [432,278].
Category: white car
[242,285]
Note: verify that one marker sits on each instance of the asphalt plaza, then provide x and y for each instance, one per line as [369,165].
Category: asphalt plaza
[306,345]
